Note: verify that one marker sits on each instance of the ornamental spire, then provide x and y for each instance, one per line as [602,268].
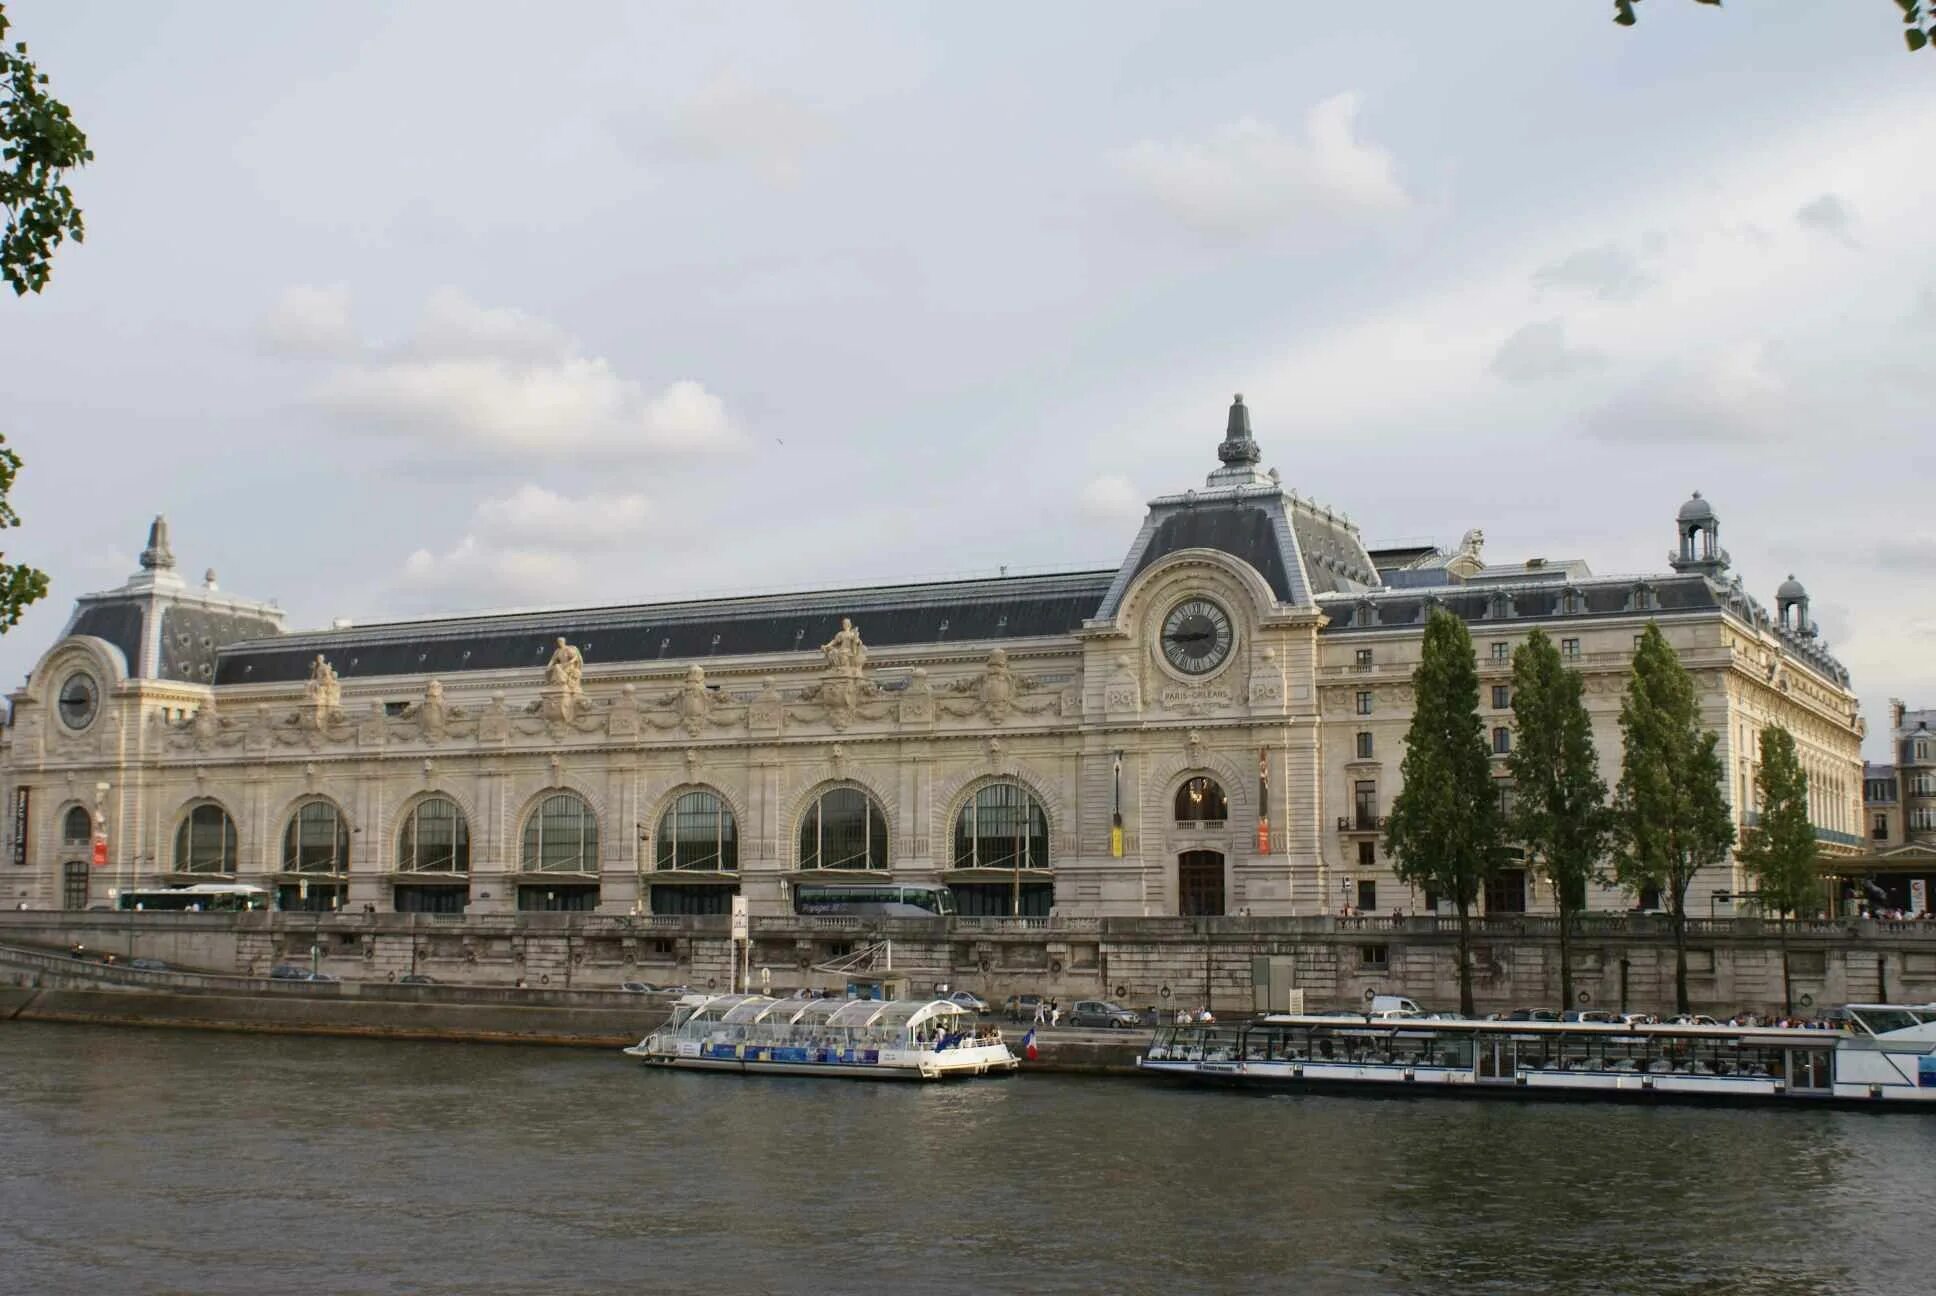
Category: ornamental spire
[1238,447]
[158,555]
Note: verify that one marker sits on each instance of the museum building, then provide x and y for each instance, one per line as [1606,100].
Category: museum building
[1215,726]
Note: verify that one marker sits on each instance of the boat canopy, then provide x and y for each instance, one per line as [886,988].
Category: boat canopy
[835,1014]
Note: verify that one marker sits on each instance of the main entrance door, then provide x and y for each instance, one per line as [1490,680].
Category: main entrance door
[1199,883]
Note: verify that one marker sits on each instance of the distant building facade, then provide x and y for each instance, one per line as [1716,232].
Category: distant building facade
[1899,812]
[1214,726]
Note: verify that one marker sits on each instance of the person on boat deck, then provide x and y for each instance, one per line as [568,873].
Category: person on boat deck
[1203,1015]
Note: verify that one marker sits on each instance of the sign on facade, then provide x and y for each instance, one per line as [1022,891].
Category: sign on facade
[742,926]
[1918,897]
[20,795]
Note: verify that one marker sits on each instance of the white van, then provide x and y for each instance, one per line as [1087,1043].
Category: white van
[1393,1006]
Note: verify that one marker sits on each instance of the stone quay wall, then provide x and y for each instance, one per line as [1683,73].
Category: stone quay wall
[1234,964]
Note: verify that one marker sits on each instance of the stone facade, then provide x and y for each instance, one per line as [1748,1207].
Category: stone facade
[1229,692]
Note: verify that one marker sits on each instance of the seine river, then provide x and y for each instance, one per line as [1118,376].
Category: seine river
[156,1161]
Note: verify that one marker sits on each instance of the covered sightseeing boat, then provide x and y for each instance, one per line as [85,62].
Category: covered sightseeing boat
[858,1038]
[1882,1055]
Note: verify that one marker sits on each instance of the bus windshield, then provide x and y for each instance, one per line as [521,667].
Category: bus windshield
[883,899]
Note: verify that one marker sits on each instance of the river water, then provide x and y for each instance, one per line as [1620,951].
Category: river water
[164,1161]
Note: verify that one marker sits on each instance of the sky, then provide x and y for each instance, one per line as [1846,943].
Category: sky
[397,309]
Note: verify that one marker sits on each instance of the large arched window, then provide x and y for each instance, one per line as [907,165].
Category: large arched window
[435,838]
[1201,800]
[561,836]
[1002,827]
[316,840]
[205,842]
[698,832]
[77,827]
[843,829]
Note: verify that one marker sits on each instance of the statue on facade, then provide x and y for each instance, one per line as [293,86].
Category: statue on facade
[566,669]
[323,692]
[844,652]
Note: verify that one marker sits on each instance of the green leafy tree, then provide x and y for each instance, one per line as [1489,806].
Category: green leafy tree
[1918,17]
[1560,815]
[1779,851]
[1444,830]
[39,144]
[1670,812]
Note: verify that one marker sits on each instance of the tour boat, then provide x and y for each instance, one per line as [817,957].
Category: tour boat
[1882,1055]
[869,1039]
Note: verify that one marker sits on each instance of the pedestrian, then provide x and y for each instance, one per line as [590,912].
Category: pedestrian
[1041,1012]
[1055,1013]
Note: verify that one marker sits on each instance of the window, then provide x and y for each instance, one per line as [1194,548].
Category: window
[205,842]
[561,836]
[1922,818]
[1201,800]
[316,841]
[1364,744]
[716,899]
[74,884]
[843,829]
[1507,803]
[1569,647]
[1501,697]
[1365,804]
[77,827]
[1374,956]
[698,832]
[1003,826]
[1501,741]
[1362,659]
[436,838]
[1367,854]
[1637,639]
[1506,892]
[1881,830]
[1925,785]
[1501,651]
[1364,702]
[1367,896]
[1431,900]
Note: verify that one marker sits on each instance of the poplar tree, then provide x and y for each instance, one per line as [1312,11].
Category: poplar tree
[1670,812]
[1560,816]
[1779,851]
[1443,833]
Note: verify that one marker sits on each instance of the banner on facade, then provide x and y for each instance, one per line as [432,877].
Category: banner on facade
[100,850]
[1918,897]
[20,795]
[1116,813]
[1263,801]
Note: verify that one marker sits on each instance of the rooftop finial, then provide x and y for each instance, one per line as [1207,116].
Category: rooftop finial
[158,555]
[1238,447]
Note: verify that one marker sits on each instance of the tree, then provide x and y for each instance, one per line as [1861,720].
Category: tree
[1560,816]
[1444,827]
[1918,17]
[1670,812]
[39,143]
[1779,850]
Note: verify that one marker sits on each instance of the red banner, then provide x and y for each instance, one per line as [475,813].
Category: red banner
[1263,836]
[100,850]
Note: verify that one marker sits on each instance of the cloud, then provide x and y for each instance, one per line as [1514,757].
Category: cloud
[1110,499]
[1246,177]
[1732,399]
[1913,554]
[532,513]
[1538,351]
[481,573]
[472,378]
[311,320]
[1609,272]
[1830,215]
[1923,313]
[730,121]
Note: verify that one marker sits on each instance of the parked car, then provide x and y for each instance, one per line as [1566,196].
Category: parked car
[639,987]
[324,976]
[416,978]
[1021,1008]
[969,1001]
[1694,1019]
[288,972]
[1590,1016]
[148,964]
[1532,1015]
[1100,1012]
[1638,1019]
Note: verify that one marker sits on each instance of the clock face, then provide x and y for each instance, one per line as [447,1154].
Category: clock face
[1196,636]
[77,700]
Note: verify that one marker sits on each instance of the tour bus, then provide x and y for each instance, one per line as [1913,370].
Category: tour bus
[202,897]
[875,900]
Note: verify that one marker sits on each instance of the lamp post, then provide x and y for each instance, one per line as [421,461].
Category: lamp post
[1344,903]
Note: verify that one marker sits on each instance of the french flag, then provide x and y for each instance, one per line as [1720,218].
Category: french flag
[1028,1045]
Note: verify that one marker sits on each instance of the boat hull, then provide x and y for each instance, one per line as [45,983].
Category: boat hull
[964,1064]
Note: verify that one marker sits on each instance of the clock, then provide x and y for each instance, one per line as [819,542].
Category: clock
[1196,636]
[77,700]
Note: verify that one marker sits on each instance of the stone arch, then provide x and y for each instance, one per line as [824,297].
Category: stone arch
[1170,772]
[661,805]
[797,809]
[292,808]
[180,820]
[400,814]
[1139,603]
[952,796]
[601,820]
[61,815]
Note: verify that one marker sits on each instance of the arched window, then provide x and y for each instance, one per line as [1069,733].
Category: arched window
[1002,827]
[435,838]
[698,832]
[843,829]
[77,827]
[561,836]
[205,842]
[1201,800]
[316,840]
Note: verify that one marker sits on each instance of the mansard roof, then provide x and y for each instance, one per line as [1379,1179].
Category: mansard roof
[1543,599]
[889,616]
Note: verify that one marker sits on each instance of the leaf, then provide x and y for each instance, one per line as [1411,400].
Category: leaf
[1914,38]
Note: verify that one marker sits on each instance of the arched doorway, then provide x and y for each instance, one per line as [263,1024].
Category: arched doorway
[1199,883]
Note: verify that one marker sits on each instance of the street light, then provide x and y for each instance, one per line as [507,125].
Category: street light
[1345,885]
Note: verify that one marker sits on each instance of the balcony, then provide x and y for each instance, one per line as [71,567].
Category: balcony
[1361,823]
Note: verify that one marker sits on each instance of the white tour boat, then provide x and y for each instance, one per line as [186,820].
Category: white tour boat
[869,1039]
[1882,1055]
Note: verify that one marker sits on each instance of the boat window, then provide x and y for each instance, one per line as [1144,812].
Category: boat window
[1880,1021]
